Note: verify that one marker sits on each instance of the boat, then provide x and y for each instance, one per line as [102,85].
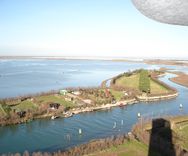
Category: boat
[121,105]
[54,117]
[114,125]
[68,114]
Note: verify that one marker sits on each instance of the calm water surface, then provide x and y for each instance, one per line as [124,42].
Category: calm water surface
[19,77]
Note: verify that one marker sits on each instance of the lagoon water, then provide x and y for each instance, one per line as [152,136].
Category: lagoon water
[19,77]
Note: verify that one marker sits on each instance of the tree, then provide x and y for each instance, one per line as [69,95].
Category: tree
[144,81]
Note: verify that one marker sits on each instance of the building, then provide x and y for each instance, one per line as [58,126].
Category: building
[54,105]
[63,92]
[76,93]
[21,114]
[87,101]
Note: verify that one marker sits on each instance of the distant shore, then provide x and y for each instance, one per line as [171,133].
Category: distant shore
[163,61]
[174,62]
[73,58]
[181,79]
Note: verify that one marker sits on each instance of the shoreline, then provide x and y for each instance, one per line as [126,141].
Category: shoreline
[46,112]
[75,111]
[181,78]
[105,106]
[123,103]
[174,62]
[91,58]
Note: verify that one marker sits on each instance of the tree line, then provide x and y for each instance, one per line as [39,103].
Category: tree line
[144,81]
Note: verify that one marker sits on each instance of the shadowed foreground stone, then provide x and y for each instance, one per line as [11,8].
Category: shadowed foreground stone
[165,11]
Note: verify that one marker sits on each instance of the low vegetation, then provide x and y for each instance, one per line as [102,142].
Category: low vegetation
[140,81]
[97,96]
[130,148]
[118,95]
[14,111]
[53,99]
[181,128]
[25,106]
[2,111]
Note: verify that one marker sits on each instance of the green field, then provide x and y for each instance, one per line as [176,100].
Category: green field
[2,112]
[33,105]
[25,105]
[117,94]
[133,82]
[181,130]
[183,133]
[53,99]
[130,148]
[130,82]
[157,88]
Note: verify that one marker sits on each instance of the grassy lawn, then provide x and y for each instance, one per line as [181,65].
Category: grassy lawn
[117,94]
[25,105]
[54,99]
[157,88]
[2,112]
[131,148]
[30,105]
[182,131]
[133,82]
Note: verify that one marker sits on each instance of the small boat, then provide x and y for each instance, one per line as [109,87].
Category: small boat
[54,117]
[181,106]
[121,105]
[68,114]
[114,125]
[139,115]
[121,122]
[80,131]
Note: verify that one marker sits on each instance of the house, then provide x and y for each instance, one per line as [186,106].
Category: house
[87,101]
[54,105]
[21,114]
[63,92]
[76,93]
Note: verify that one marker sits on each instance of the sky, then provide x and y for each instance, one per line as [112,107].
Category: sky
[112,28]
